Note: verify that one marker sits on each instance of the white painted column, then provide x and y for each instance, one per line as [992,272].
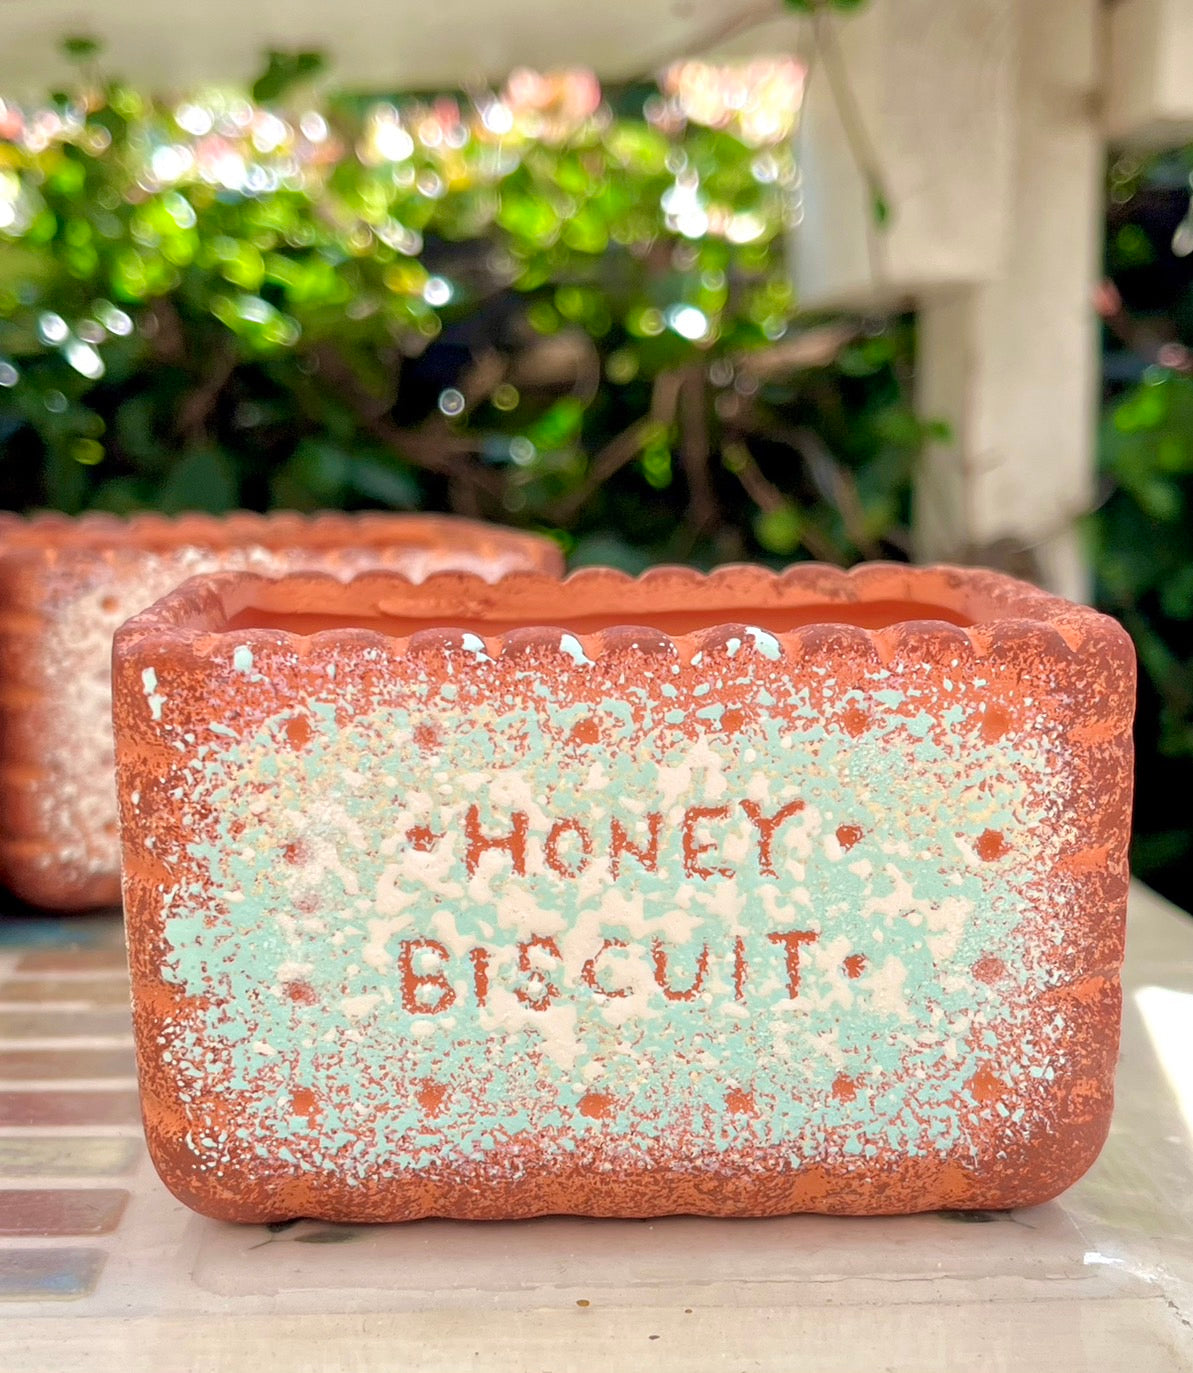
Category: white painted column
[933,83]
[1012,363]
[1149,93]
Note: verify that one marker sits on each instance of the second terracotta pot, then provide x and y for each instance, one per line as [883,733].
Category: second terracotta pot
[65,586]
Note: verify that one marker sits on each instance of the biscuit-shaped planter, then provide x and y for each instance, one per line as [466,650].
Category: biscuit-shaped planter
[739,894]
[65,586]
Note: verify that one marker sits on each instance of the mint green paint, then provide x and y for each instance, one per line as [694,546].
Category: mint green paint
[670,1064]
[152,696]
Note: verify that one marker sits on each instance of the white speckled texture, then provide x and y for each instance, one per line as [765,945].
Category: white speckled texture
[64,590]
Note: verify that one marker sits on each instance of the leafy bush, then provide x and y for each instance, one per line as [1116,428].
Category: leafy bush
[1143,530]
[548,305]
[555,306]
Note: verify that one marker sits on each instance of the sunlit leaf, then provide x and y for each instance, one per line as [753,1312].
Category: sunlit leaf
[780,529]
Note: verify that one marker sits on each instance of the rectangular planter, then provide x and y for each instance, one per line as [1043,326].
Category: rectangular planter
[66,584]
[738,895]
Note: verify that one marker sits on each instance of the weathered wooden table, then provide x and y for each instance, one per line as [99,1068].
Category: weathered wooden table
[101,1270]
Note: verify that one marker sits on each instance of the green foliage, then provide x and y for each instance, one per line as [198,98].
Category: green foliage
[1141,534]
[524,306]
[1143,539]
[283,72]
[81,48]
[811,6]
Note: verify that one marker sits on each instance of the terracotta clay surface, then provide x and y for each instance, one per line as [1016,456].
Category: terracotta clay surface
[816,907]
[66,584]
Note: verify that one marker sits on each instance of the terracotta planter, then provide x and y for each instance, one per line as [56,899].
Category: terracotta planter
[65,585]
[809,896]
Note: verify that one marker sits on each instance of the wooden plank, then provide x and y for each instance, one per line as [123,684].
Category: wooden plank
[784,1337]
[380,45]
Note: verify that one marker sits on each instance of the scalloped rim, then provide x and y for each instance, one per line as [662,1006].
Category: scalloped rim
[1001,609]
[98,531]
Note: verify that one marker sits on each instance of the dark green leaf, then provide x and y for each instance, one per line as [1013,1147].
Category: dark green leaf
[203,479]
[80,48]
[283,71]
[608,550]
[384,483]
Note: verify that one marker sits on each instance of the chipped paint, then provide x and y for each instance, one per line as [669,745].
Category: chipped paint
[152,696]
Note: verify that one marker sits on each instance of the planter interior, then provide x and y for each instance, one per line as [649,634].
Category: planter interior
[369,615]
[599,600]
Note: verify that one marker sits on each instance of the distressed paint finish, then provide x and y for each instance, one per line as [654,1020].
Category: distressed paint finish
[741,921]
[65,587]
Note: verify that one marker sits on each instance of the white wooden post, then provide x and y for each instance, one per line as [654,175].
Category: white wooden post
[985,124]
[933,82]
[1149,87]
[1012,363]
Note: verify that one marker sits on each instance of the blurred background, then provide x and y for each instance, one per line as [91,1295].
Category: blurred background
[828,280]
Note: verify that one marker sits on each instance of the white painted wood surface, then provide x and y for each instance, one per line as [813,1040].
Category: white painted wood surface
[1149,85]
[934,83]
[1100,1281]
[383,45]
[985,122]
[1012,363]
